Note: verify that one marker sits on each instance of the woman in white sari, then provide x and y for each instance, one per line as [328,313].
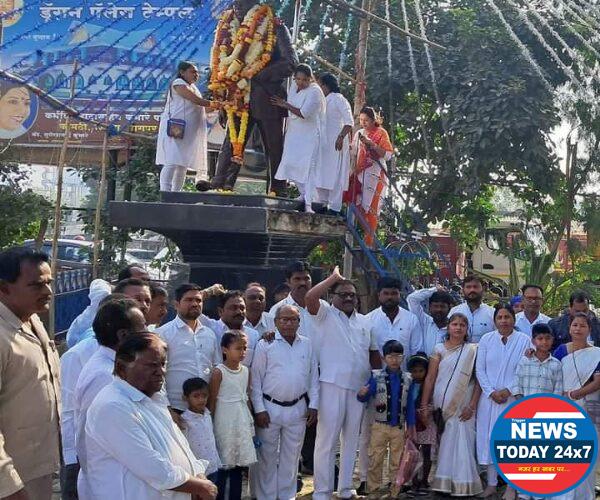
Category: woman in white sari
[498,355]
[451,379]
[304,134]
[581,378]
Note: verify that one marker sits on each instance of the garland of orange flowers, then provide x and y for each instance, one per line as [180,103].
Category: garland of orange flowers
[239,52]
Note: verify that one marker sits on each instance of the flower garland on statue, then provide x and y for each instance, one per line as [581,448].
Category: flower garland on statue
[239,52]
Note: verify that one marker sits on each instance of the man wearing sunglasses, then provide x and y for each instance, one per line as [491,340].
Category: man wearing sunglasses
[343,338]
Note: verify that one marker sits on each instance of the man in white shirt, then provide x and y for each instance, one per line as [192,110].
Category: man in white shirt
[159,307]
[388,322]
[299,281]
[433,324]
[255,297]
[533,299]
[232,313]
[138,451]
[285,396]
[71,365]
[116,319]
[479,315]
[192,348]
[344,337]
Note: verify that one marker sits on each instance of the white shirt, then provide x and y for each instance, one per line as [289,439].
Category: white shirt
[189,354]
[284,371]
[96,374]
[199,433]
[221,328]
[405,329]
[523,325]
[71,364]
[432,334]
[265,324]
[344,347]
[141,453]
[481,320]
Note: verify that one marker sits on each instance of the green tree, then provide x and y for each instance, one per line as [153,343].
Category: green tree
[22,211]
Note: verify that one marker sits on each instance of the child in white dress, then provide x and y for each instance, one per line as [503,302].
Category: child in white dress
[233,423]
[199,426]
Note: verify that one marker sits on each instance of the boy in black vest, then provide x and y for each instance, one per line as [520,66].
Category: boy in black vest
[387,391]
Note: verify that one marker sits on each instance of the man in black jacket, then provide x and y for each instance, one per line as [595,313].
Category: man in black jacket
[269,119]
[579,301]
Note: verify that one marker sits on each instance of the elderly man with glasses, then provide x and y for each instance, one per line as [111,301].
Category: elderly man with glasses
[285,396]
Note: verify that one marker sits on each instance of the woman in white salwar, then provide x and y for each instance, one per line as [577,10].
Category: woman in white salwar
[498,355]
[333,175]
[303,135]
[581,378]
[451,380]
[178,154]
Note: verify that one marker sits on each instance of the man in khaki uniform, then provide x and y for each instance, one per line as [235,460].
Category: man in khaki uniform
[29,379]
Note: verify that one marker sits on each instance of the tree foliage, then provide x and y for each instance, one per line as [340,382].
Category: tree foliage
[23,211]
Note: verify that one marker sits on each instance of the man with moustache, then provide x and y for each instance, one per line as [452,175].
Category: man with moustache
[344,337]
[434,322]
[255,297]
[192,348]
[232,313]
[29,388]
[479,315]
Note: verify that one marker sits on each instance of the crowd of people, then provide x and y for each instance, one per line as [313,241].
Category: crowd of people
[186,408]
[318,147]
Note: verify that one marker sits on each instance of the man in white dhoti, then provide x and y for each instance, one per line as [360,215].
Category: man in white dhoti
[285,396]
[498,355]
[333,174]
[182,134]
[344,338]
[139,452]
[304,134]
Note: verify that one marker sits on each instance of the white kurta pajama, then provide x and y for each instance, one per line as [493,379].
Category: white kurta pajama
[303,137]
[496,369]
[344,369]
[284,372]
[332,176]
[179,155]
[141,453]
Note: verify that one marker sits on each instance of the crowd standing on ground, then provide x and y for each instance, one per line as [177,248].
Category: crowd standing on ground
[185,409]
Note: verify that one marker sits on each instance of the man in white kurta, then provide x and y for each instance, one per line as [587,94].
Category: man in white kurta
[138,451]
[114,320]
[303,136]
[285,396]
[255,297]
[496,369]
[479,315]
[344,366]
[192,348]
[331,179]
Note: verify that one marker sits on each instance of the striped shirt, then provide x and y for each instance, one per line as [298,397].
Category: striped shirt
[534,376]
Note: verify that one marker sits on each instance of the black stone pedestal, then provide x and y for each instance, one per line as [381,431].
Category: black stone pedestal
[231,239]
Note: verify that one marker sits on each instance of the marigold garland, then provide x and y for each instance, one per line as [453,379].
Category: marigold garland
[239,52]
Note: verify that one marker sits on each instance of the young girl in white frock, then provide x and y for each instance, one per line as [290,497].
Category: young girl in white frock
[233,423]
